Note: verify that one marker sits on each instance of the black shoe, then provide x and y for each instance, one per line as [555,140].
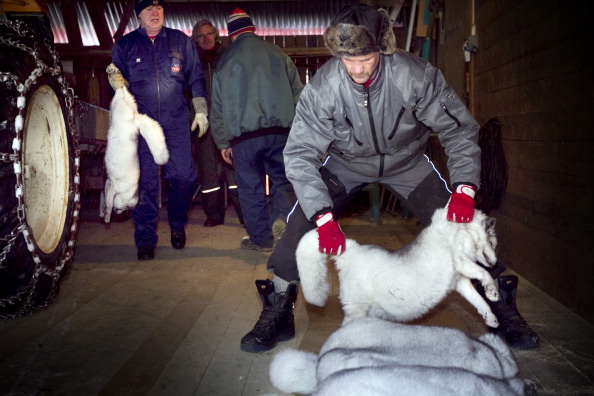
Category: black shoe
[276,322]
[512,327]
[146,253]
[178,239]
[210,222]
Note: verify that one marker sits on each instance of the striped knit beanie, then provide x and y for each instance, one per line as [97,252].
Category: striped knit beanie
[239,22]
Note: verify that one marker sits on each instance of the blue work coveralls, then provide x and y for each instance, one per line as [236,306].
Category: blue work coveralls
[159,71]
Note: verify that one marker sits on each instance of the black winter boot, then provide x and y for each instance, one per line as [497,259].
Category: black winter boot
[512,327]
[276,321]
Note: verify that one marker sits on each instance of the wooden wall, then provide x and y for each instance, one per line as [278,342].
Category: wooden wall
[534,71]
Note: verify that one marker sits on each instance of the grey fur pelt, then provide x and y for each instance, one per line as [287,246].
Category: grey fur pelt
[371,356]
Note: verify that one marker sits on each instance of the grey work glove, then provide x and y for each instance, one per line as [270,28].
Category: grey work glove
[200,119]
[116,80]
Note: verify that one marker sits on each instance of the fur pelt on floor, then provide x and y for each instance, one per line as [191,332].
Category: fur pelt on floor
[371,356]
[121,154]
[404,284]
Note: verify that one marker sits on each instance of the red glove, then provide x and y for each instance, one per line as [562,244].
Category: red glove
[461,205]
[330,235]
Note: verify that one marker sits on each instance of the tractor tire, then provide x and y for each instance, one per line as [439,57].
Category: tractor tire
[39,170]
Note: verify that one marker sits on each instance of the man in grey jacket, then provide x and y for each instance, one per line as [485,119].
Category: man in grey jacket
[366,116]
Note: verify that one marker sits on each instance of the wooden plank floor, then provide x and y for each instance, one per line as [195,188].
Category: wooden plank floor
[172,326]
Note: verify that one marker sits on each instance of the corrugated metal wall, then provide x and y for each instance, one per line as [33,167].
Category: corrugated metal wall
[272,18]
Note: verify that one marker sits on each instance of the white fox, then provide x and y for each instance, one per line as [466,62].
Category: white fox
[121,154]
[404,284]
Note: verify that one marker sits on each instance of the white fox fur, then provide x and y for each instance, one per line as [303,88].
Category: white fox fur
[121,154]
[404,284]
[371,356]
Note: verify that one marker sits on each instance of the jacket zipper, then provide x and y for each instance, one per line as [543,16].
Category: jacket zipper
[443,106]
[157,79]
[367,104]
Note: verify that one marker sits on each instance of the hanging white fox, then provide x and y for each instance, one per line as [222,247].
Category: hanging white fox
[121,155]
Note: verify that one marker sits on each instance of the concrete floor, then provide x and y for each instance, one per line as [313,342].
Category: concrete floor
[172,326]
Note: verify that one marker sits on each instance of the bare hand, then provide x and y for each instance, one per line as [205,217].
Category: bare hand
[227,154]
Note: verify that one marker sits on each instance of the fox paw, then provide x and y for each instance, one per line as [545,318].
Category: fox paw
[112,69]
[491,292]
[491,320]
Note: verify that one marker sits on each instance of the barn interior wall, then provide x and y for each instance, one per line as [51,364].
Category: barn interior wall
[534,73]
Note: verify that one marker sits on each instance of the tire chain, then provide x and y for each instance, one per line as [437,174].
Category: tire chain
[25,293]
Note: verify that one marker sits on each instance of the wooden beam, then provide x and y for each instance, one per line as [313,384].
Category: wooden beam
[69,52]
[128,10]
[305,52]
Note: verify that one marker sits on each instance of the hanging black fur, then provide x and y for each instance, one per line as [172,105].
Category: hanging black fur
[494,172]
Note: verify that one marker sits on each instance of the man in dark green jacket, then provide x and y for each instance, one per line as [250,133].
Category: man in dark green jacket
[255,89]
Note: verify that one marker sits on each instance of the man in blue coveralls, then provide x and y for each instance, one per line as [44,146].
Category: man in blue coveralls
[157,64]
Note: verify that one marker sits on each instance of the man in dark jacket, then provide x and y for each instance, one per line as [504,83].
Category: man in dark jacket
[254,92]
[210,163]
[365,117]
[158,64]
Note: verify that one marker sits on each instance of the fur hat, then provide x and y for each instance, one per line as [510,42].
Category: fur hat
[360,30]
[142,4]
[239,22]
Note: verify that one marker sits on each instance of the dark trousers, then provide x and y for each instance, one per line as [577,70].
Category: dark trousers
[180,177]
[212,172]
[254,158]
